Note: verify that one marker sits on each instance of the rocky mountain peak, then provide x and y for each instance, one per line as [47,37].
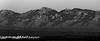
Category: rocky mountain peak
[45,8]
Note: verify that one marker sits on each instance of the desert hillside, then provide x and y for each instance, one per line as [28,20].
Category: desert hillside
[48,18]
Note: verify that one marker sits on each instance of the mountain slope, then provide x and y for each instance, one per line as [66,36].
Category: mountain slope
[7,17]
[47,17]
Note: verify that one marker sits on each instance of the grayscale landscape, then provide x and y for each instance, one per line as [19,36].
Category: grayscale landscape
[50,19]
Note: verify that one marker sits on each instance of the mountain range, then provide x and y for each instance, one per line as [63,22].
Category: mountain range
[49,18]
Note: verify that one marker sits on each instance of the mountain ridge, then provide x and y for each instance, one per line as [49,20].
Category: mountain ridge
[45,17]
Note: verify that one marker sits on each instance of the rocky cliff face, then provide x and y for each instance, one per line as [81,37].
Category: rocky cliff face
[47,17]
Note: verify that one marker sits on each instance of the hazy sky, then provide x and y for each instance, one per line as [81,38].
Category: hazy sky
[25,5]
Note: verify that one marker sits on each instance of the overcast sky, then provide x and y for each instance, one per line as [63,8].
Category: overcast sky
[25,5]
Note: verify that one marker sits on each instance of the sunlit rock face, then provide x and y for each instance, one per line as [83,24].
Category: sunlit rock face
[47,17]
[38,18]
[81,16]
